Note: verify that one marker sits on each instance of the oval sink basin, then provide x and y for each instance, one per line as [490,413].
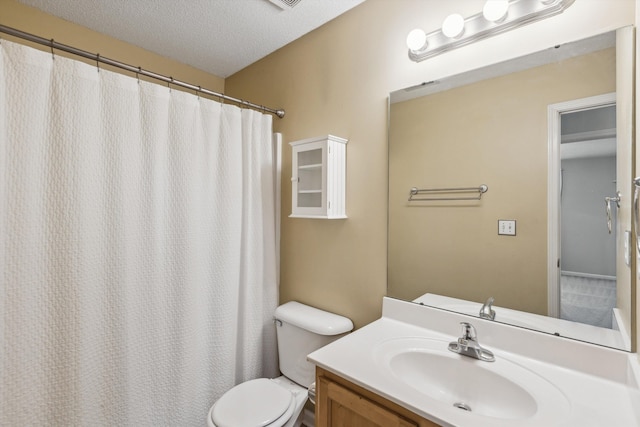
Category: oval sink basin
[500,389]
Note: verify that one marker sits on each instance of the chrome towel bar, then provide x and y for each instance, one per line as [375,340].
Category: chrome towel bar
[446,193]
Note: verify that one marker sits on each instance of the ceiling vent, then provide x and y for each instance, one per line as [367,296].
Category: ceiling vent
[285,4]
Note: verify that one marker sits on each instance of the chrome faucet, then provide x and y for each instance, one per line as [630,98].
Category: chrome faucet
[467,344]
[486,312]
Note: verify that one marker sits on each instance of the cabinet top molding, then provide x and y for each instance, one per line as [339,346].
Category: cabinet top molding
[320,138]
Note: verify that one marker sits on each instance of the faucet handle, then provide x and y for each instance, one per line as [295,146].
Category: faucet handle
[468,332]
[467,344]
[486,312]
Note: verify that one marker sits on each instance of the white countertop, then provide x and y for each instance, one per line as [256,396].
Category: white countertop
[599,383]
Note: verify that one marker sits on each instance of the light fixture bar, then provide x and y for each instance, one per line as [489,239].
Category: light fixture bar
[476,27]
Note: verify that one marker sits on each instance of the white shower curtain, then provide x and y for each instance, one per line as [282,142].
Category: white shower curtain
[137,247]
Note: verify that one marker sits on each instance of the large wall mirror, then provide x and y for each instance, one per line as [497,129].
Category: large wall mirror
[550,136]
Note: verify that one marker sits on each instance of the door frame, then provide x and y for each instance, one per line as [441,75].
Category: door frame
[554,112]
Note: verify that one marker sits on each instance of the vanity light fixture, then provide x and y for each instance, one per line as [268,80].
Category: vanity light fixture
[496,17]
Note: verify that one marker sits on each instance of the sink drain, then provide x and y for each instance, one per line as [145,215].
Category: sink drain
[462,406]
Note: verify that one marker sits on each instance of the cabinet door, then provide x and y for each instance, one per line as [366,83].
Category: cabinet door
[341,407]
[309,180]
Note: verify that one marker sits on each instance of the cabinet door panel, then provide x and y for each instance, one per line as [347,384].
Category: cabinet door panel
[345,408]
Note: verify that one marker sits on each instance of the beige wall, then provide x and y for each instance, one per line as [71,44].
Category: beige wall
[31,20]
[493,132]
[336,80]
[328,86]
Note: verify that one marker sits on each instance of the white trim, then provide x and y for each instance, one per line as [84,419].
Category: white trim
[553,189]
[277,183]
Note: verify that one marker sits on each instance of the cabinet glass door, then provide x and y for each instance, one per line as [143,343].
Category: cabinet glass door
[310,178]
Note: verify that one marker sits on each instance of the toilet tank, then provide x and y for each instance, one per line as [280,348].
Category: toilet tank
[301,330]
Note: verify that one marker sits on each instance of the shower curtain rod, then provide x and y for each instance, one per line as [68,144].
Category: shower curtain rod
[139,71]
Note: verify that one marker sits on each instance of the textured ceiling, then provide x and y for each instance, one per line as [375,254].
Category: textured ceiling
[217,36]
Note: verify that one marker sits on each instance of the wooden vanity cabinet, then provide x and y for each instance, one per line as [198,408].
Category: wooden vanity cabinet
[340,403]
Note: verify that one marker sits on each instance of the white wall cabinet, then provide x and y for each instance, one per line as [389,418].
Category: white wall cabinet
[318,178]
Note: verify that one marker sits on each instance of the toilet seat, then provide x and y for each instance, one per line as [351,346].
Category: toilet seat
[256,403]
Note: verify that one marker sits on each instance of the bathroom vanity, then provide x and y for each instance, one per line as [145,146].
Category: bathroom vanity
[398,371]
[340,402]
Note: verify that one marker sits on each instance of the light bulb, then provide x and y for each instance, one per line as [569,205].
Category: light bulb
[495,10]
[453,26]
[417,40]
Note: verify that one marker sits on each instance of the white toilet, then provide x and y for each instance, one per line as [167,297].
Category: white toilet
[279,401]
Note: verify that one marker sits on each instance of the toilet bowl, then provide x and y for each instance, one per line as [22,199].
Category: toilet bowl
[278,402]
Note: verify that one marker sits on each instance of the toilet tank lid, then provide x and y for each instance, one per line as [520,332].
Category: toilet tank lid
[312,319]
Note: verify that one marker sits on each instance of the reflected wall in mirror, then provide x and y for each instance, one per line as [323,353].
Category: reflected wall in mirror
[489,126]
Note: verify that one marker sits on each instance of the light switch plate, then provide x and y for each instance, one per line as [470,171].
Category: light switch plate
[507,227]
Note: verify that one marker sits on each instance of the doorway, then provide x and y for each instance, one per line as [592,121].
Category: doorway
[581,131]
[588,204]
